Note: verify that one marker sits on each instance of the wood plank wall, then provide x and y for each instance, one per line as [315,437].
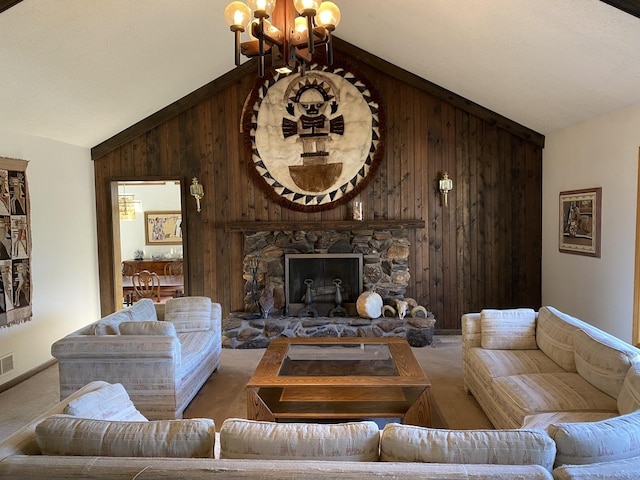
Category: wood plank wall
[482,251]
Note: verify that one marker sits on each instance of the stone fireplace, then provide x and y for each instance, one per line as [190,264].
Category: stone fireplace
[382,262]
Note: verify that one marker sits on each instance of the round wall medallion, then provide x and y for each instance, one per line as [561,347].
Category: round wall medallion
[316,139]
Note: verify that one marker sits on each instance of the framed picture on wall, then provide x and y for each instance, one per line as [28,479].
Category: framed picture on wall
[580,221]
[163,228]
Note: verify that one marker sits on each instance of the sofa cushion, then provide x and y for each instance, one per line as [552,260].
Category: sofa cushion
[195,348]
[603,361]
[110,402]
[65,435]
[590,442]
[521,395]
[554,336]
[353,441]
[189,314]
[513,329]
[543,420]
[110,325]
[618,470]
[407,443]
[502,363]
[629,397]
[148,328]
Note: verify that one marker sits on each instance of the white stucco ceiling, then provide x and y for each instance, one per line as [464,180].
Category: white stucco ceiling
[80,71]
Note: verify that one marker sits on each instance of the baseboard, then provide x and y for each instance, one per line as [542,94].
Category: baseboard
[449,331]
[21,378]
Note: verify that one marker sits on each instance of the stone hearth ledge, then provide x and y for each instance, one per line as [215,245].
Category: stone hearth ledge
[239,330]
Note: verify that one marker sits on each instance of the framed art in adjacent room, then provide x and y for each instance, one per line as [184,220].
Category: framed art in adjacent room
[580,221]
[163,228]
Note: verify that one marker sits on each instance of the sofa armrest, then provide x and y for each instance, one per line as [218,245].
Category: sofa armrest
[148,366]
[23,441]
[117,346]
[216,317]
[471,331]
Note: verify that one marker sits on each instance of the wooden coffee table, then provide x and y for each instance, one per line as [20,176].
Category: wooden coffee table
[339,379]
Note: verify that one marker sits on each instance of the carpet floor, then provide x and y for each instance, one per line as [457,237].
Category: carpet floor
[224,396]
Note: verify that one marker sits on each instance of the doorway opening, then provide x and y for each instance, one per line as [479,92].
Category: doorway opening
[148,237]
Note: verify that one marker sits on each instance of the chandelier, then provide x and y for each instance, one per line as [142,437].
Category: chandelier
[294,42]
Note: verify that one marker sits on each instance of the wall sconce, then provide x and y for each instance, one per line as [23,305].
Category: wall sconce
[446,184]
[196,191]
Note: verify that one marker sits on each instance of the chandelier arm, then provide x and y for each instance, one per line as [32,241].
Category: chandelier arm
[310,40]
[237,33]
[329,48]
[261,48]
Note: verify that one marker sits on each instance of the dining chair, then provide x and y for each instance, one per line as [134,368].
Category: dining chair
[173,269]
[146,285]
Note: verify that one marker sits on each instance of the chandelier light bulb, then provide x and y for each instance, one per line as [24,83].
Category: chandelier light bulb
[328,15]
[260,6]
[306,6]
[300,25]
[237,14]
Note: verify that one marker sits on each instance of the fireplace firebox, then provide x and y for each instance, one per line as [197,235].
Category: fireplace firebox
[312,281]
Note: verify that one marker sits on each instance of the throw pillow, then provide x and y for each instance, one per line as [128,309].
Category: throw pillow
[65,435]
[111,402]
[591,442]
[110,325]
[189,314]
[513,329]
[353,441]
[407,443]
[152,327]
[143,310]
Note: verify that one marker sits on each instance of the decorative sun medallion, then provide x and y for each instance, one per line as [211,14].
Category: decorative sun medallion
[316,139]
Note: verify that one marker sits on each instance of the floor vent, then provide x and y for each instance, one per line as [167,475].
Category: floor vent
[6,364]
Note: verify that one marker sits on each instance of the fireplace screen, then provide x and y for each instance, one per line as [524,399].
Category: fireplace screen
[311,281]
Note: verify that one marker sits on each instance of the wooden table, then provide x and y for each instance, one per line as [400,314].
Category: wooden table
[339,379]
[156,266]
[168,285]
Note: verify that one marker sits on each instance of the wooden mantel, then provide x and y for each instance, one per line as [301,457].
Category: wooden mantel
[322,225]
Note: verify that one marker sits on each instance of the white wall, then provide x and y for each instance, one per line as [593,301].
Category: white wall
[602,152]
[64,261]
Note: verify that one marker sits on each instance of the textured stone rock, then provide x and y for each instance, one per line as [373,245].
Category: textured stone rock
[232,333]
[248,334]
[419,322]
[390,324]
[420,337]
[273,329]
[401,278]
[256,343]
[257,323]
[232,323]
[396,251]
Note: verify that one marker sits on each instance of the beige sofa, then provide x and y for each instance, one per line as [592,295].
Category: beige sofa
[161,356]
[534,369]
[96,433]
[551,371]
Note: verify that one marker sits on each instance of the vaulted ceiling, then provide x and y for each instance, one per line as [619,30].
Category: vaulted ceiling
[81,71]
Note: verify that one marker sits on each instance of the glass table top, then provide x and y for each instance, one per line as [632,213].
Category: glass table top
[340,359]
